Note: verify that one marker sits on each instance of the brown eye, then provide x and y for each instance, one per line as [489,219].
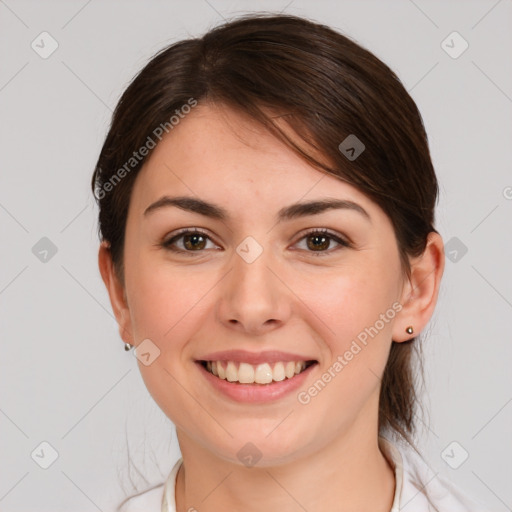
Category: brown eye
[193,242]
[187,241]
[319,241]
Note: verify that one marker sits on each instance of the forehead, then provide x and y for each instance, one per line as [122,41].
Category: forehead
[217,151]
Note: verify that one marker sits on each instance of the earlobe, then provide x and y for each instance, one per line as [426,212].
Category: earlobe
[419,295]
[116,293]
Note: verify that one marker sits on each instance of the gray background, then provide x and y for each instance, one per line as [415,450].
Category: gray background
[65,378]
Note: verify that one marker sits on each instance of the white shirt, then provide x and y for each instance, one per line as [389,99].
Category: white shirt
[417,488]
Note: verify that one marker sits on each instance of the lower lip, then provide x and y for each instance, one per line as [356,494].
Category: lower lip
[256,393]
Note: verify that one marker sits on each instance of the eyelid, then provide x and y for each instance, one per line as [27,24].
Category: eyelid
[333,234]
[183,231]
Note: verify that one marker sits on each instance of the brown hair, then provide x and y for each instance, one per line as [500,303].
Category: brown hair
[327,87]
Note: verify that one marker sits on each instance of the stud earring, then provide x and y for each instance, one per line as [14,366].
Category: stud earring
[127,346]
[409,330]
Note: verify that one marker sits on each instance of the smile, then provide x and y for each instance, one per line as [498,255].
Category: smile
[264,373]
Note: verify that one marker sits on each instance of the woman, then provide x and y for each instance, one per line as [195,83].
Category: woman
[267,202]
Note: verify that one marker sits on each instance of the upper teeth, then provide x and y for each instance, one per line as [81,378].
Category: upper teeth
[247,373]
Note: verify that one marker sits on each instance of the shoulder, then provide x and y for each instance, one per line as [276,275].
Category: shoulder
[423,490]
[159,498]
[147,501]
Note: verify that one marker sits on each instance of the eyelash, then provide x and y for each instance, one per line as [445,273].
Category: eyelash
[168,244]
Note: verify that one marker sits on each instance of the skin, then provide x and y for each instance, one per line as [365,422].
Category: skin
[320,456]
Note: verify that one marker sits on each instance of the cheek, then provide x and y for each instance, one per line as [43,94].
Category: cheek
[347,307]
[345,302]
[165,300]
[164,307]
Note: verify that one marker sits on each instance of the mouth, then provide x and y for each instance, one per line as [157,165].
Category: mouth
[257,374]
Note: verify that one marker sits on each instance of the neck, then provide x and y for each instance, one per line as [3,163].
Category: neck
[349,474]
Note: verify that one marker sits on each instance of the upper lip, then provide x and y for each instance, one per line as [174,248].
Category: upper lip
[243,356]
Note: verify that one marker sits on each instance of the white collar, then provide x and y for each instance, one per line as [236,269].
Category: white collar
[417,487]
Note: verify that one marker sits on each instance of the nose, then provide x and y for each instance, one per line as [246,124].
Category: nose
[253,297]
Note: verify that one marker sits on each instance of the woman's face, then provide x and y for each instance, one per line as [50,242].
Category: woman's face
[257,283]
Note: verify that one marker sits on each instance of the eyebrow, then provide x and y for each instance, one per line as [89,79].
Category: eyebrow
[290,212]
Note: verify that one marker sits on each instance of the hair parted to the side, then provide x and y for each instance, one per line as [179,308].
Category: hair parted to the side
[326,87]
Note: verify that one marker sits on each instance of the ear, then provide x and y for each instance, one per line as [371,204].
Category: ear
[419,294]
[116,293]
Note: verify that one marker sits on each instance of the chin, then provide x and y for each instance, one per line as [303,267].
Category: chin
[257,448]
